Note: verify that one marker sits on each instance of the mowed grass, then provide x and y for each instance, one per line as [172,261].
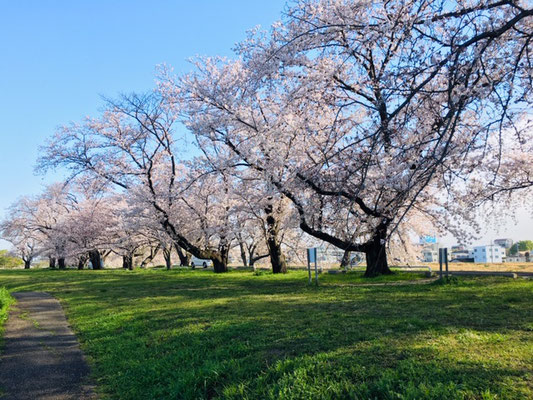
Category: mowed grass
[159,334]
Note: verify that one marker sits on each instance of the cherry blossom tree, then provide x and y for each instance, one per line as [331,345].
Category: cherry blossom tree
[45,217]
[255,204]
[361,113]
[62,222]
[17,231]
[132,146]
[157,239]
[267,217]
[90,224]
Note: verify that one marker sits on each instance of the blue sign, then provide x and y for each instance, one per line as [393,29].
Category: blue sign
[428,239]
[311,255]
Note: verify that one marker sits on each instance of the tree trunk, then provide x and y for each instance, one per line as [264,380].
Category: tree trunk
[254,259]
[220,265]
[376,255]
[52,262]
[277,259]
[81,262]
[167,254]
[27,264]
[151,256]
[96,259]
[346,258]
[127,262]
[185,258]
[243,254]
[61,263]
[251,255]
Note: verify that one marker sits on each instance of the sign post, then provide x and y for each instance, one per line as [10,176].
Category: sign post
[443,259]
[446,260]
[312,258]
[309,263]
[440,262]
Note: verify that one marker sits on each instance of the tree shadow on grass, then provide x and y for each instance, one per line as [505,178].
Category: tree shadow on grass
[261,346]
[203,336]
[253,360]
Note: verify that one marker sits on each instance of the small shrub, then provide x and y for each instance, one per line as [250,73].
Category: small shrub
[447,280]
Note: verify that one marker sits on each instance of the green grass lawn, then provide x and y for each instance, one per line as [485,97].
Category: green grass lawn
[193,334]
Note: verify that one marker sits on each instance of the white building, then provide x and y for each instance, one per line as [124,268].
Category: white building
[518,258]
[430,252]
[489,254]
[461,255]
[505,243]
[430,255]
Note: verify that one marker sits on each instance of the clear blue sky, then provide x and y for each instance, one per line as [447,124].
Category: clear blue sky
[58,57]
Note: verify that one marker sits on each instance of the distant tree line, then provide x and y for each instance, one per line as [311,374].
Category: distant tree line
[523,245]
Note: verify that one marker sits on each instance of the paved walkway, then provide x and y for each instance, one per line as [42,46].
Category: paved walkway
[41,358]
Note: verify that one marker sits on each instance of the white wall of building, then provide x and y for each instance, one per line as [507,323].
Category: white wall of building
[489,254]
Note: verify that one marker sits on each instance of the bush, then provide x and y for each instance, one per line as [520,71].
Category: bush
[7,261]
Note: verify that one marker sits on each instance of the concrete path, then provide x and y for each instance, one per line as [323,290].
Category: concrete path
[41,358]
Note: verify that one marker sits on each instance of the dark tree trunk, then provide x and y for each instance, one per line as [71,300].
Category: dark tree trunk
[254,259]
[52,262]
[345,262]
[376,255]
[243,254]
[61,263]
[27,264]
[185,258]
[167,254]
[277,259]
[220,263]
[127,262]
[96,259]
[251,255]
[81,262]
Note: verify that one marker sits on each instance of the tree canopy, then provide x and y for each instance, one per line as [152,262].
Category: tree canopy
[360,122]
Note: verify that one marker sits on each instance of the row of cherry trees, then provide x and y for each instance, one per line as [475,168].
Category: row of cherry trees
[64,224]
[356,119]
[69,223]
[200,204]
